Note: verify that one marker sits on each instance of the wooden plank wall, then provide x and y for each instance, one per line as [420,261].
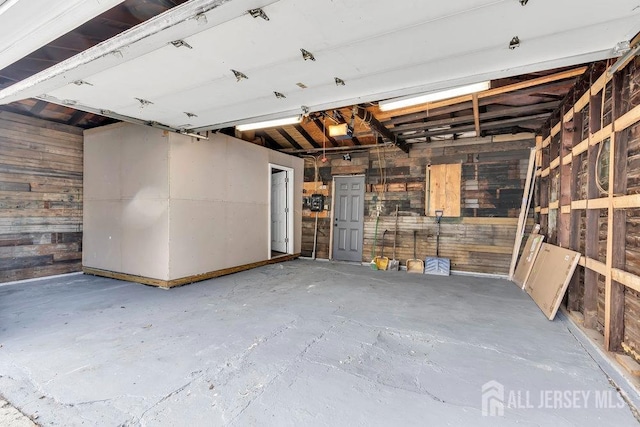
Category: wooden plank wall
[473,244]
[480,240]
[40,198]
[602,110]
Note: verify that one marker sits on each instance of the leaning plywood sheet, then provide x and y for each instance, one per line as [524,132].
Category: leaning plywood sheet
[550,276]
[528,257]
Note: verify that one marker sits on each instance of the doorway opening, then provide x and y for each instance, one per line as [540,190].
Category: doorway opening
[280,211]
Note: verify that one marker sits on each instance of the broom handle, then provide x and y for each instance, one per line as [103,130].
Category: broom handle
[383,234]
[395,234]
[375,237]
[415,232]
[438,241]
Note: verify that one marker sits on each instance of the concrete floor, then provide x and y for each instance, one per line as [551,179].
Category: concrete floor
[299,343]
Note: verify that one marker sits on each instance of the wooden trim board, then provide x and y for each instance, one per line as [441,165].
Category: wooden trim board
[529,255]
[550,276]
[184,280]
[524,210]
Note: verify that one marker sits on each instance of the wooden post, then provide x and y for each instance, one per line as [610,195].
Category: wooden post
[592,231]
[536,192]
[616,233]
[574,227]
[544,191]
[564,192]
[523,213]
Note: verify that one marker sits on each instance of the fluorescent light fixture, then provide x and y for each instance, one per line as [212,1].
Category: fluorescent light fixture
[269,124]
[394,104]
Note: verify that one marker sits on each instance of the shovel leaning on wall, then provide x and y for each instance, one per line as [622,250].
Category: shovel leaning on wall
[436,265]
[394,264]
[382,262]
[415,265]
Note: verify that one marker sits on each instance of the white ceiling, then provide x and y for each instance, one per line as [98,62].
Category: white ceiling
[379,48]
[30,24]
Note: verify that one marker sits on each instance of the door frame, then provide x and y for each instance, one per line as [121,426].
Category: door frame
[333,209]
[290,210]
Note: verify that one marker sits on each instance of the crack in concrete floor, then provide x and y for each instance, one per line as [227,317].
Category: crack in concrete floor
[302,342]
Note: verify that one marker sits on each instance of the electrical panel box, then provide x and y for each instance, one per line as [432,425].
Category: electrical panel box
[316,202]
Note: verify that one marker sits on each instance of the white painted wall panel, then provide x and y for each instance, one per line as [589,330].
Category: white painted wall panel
[197,236]
[126,210]
[187,155]
[102,177]
[220,201]
[102,237]
[167,206]
[144,163]
[145,238]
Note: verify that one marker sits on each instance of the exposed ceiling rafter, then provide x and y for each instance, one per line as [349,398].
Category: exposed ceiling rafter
[378,127]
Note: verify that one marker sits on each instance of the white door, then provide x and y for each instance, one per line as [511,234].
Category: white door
[279,211]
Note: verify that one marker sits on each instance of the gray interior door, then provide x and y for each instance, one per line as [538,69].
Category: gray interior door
[348,221]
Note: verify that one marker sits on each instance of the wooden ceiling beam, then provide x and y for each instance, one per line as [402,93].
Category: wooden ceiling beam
[530,94]
[595,70]
[38,107]
[320,124]
[513,130]
[533,82]
[429,113]
[375,125]
[468,128]
[544,91]
[288,137]
[306,136]
[476,113]
[76,117]
[563,75]
[494,114]
[270,142]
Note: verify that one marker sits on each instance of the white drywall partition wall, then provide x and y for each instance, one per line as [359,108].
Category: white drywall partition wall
[126,200]
[168,206]
[219,207]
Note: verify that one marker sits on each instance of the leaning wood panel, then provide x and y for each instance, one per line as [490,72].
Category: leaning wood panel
[40,198]
[550,277]
[529,254]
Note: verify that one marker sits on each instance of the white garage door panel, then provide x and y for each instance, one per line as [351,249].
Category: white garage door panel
[28,25]
[380,48]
